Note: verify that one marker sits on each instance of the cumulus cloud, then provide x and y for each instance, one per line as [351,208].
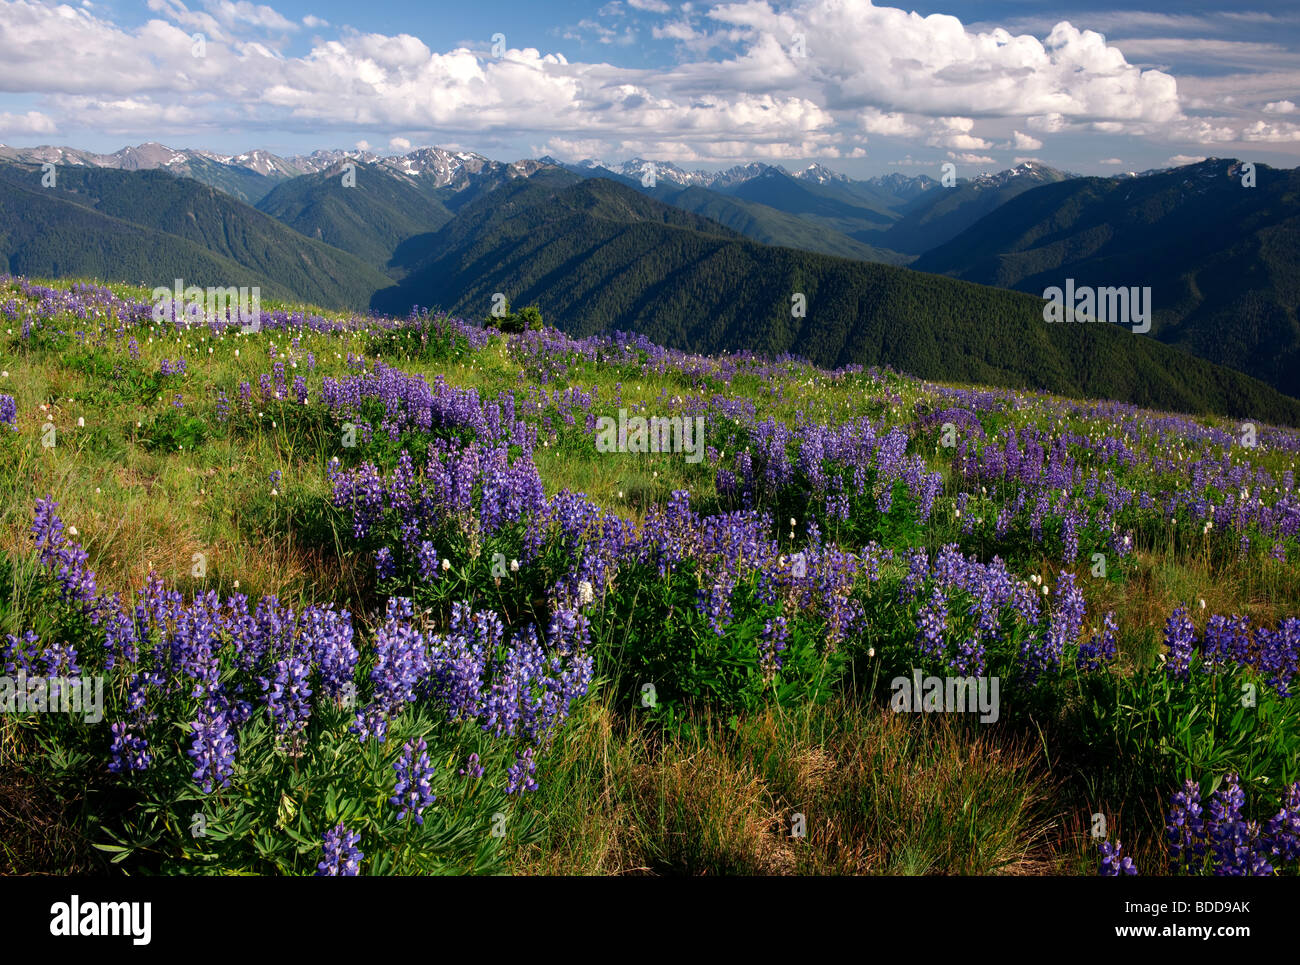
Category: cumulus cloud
[955,132]
[1110,160]
[885,56]
[968,158]
[33,122]
[256,14]
[399,144]
[864,69]
[1279,132]
[1178,160]
[675,30]
[890,124]
[1047,123]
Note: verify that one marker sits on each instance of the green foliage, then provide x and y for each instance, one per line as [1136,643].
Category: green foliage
[1219,263]
[528,318]
[630,263]
[174,430]
[371,219]
[151,227]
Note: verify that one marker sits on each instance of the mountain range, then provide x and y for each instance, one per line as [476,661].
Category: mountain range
[710,261]
[1222,259]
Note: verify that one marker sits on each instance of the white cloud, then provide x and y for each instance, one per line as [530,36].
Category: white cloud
[1047,123]
[1110,160]
[399,144]
[33,122]
[968,158]
[892,59]
[1179,160]
[955,132]
[892,124]
[1281,131]
[872,70]
[605,35]
[675,30]
[1206,130]
[256,14]
[1024,142]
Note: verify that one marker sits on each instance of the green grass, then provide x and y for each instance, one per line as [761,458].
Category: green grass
[709,791]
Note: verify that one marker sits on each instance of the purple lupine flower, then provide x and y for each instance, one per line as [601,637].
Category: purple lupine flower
[401,666]
[8,411]
[385,567]
[918,567]
[1227,640]
[1180,639]
[213,748]
[128,753]
[1234,842]
[328,636]
[66,561]
[472,767]
[510,704]
[1283,830]
[1041,653]
[1112,864]
[931,623]
[287,694]
[772,641]
[427,561]
[412,793]
[1185,825]
[340,856]
[968,660]
[520,775]
[19,653]
[1100,650]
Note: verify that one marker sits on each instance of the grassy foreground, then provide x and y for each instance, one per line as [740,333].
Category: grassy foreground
[357,560]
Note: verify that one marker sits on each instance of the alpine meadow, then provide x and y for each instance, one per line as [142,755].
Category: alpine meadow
[845,441]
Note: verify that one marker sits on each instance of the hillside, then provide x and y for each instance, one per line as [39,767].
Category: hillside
[370,219]
[1221,259]
[943,213]
[756,221]
[599,256]
[165,210]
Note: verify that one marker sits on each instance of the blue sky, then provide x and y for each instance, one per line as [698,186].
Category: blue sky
[863,88]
